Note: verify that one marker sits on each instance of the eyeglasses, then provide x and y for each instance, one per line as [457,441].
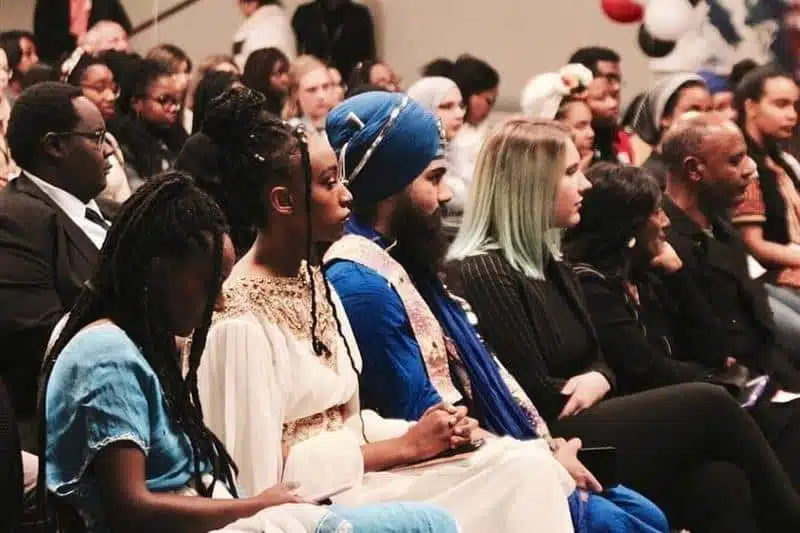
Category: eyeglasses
[99,136]
[114,88]
[166,100]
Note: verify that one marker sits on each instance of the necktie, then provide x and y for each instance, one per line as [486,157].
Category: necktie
[97,218]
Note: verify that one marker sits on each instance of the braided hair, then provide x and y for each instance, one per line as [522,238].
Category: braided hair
[257,149]
[167,216]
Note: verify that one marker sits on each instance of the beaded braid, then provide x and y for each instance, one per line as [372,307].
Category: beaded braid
[115,292]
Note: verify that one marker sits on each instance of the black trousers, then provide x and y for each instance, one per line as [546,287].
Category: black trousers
[697,454]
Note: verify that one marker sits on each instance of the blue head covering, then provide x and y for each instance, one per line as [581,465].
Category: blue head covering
[714,82]
[409,138]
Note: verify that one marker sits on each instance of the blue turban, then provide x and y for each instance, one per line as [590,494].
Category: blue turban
[413,139]
[714,82]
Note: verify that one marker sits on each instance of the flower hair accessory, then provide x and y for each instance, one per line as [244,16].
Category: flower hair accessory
[543,94]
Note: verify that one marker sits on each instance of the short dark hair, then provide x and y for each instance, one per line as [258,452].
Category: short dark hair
[39,110]
[9,41]
[751,86]
[440,66]
[589,56]
[473,76]
[739,70]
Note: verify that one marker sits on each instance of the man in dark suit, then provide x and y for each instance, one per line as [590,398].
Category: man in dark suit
[50,229]
[709,170]
[339,32]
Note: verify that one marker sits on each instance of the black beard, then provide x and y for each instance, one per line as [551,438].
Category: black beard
[421,243]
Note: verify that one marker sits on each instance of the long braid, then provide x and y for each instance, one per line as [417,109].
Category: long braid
[168,215]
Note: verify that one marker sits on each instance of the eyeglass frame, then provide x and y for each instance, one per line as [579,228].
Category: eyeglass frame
[99,136]
[114,88]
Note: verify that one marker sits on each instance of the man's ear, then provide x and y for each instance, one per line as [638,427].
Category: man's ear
[53,145]
[694,168]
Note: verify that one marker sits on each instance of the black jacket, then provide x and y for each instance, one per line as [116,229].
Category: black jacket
[738,304]
[45,259]
[342,37]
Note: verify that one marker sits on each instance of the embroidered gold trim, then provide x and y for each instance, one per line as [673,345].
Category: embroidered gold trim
[286,302]
[331,419]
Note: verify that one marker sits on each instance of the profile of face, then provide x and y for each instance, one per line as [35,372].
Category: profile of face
[692,98]
[416,222]
[578,118]
[279,77]
[28,55]
[161,103]
[81,154]
[572,183]
[451,111]
[775,114]
[184,284]
[722,104]
[480,105]
[330,199]
[98,86]
[336,94]
[381,75]
[312,93]
[722,167]
[612,72]
[654,234]
[604,106]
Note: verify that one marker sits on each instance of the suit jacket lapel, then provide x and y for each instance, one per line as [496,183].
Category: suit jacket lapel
[75,234]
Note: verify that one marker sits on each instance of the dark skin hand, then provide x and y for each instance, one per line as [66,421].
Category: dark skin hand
[440,428]
[131,507]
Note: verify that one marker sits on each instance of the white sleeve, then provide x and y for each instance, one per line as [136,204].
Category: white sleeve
[243,403]
[276,33]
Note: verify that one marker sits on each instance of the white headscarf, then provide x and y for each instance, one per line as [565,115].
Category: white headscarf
[543,94]
[429,92]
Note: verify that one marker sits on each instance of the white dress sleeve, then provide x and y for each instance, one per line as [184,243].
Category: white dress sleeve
[243,403]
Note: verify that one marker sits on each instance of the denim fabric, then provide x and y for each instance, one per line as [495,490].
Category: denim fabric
[617,510]
[392,517]
[103,391]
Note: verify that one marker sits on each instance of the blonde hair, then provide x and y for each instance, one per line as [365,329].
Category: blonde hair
[299,68]
[513,193]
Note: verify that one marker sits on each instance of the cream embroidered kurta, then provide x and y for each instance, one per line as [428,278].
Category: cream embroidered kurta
[287,414]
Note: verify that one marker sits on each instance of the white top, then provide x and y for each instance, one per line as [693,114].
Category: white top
[74,209]
[285,414]
[267,27]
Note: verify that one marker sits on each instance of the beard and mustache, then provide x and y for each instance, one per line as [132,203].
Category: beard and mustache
[421,241]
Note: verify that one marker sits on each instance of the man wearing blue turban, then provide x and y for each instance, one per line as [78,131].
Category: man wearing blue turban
[418,347]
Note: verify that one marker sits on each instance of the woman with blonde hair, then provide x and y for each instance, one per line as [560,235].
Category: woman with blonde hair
[307,103]
[528,186]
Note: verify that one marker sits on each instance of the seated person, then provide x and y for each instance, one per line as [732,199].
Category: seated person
[531,312]
[769,215]
[127,447]
[656,330]
[400,210]
[279,375]
[50,230]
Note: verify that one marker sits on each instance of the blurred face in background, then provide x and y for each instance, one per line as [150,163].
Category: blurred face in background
[313,92]
[336,94]
[578,118]
[480,105]
[384,77]
[451,112]
[604,106]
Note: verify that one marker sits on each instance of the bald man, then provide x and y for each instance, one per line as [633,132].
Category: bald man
[708,172]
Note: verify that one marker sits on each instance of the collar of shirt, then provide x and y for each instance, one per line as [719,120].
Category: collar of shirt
[73,208]
[355,227]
